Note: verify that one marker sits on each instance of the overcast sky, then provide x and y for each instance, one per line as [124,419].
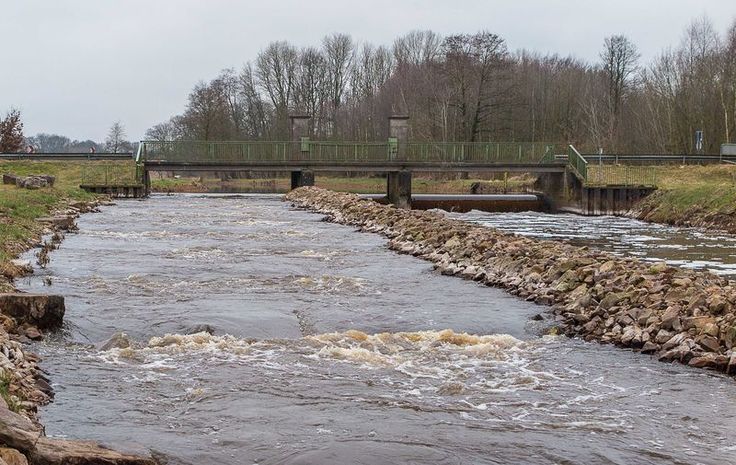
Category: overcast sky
[75,66]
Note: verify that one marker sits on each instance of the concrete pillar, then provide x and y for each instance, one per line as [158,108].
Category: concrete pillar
[398,183]
[398,133]
[398,186]
[299,129]
[146,182]
[302,178]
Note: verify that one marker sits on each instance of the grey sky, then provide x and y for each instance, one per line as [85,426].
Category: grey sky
[75,66]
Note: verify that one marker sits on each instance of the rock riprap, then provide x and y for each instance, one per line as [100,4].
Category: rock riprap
[677,314]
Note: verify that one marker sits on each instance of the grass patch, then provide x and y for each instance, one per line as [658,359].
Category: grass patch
[19,208]
[694,195]
[12,401]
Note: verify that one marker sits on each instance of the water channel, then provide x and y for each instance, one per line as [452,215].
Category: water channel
[331,349]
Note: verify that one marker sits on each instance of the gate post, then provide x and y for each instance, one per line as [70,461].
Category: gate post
[299,130]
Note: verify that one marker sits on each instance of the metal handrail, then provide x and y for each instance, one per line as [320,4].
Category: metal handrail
[578,163]
[347,151]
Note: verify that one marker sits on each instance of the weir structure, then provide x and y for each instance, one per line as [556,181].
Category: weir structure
[564,178]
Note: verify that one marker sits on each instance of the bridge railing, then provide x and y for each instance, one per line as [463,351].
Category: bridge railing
[593,175]
[577,163]
[621,175]
[224,152]
[480,152]
[354,152]
[110,174]
[348,152]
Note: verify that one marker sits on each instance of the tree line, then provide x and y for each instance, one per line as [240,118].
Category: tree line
[470,87]
[12,139]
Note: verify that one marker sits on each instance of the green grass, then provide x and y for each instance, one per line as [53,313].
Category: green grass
[12,401]
[695,195]
[19,208]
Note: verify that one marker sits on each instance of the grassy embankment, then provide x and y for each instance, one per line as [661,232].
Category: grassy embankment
[19,208]
[358,185]
[691,195]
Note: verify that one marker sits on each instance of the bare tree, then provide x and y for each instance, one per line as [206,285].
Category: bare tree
[276,68]
[256,111]
[115,140]
[620,59]
[311,87]
[417,47]
[339,53]
[162,132]
[11,132]
[475,65]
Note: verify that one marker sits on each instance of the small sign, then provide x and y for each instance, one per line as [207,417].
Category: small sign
[699,141]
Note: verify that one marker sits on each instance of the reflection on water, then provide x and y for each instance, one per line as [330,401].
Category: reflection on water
[329,348]
[688,247]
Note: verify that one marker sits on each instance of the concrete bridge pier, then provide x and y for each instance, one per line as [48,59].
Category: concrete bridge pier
[300,131]
[398,188]
[398,183]
[146,183]
[302,178]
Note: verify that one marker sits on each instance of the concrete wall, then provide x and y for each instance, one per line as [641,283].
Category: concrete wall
[565,192]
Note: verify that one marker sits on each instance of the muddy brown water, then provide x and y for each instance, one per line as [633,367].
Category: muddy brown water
[331,349]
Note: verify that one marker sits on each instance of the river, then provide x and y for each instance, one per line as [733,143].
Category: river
[331,349]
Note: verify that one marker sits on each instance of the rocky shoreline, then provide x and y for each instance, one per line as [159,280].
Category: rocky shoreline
[673,313]
[23,384]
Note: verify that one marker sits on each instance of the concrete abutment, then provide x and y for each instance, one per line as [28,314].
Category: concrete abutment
[565,192]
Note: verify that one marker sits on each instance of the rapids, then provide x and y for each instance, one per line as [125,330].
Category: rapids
[329,348]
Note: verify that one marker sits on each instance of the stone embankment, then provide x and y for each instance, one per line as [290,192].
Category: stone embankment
[676,314]
[23,384]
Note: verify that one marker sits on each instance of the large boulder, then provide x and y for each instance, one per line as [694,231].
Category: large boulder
[40,310]
[9,178]
[64,223]
[59,452]
[17,431]
[12,456]
[35,181]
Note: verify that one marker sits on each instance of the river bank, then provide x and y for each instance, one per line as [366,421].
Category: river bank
[673,313]
[692,196]
[27,216]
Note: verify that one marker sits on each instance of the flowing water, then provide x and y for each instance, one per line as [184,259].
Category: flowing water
[331,349]
[688,247]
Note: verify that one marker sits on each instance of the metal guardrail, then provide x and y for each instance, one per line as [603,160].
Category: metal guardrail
[110,175]
[658,159]
[66,156]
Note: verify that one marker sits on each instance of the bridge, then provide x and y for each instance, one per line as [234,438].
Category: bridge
[564,173]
